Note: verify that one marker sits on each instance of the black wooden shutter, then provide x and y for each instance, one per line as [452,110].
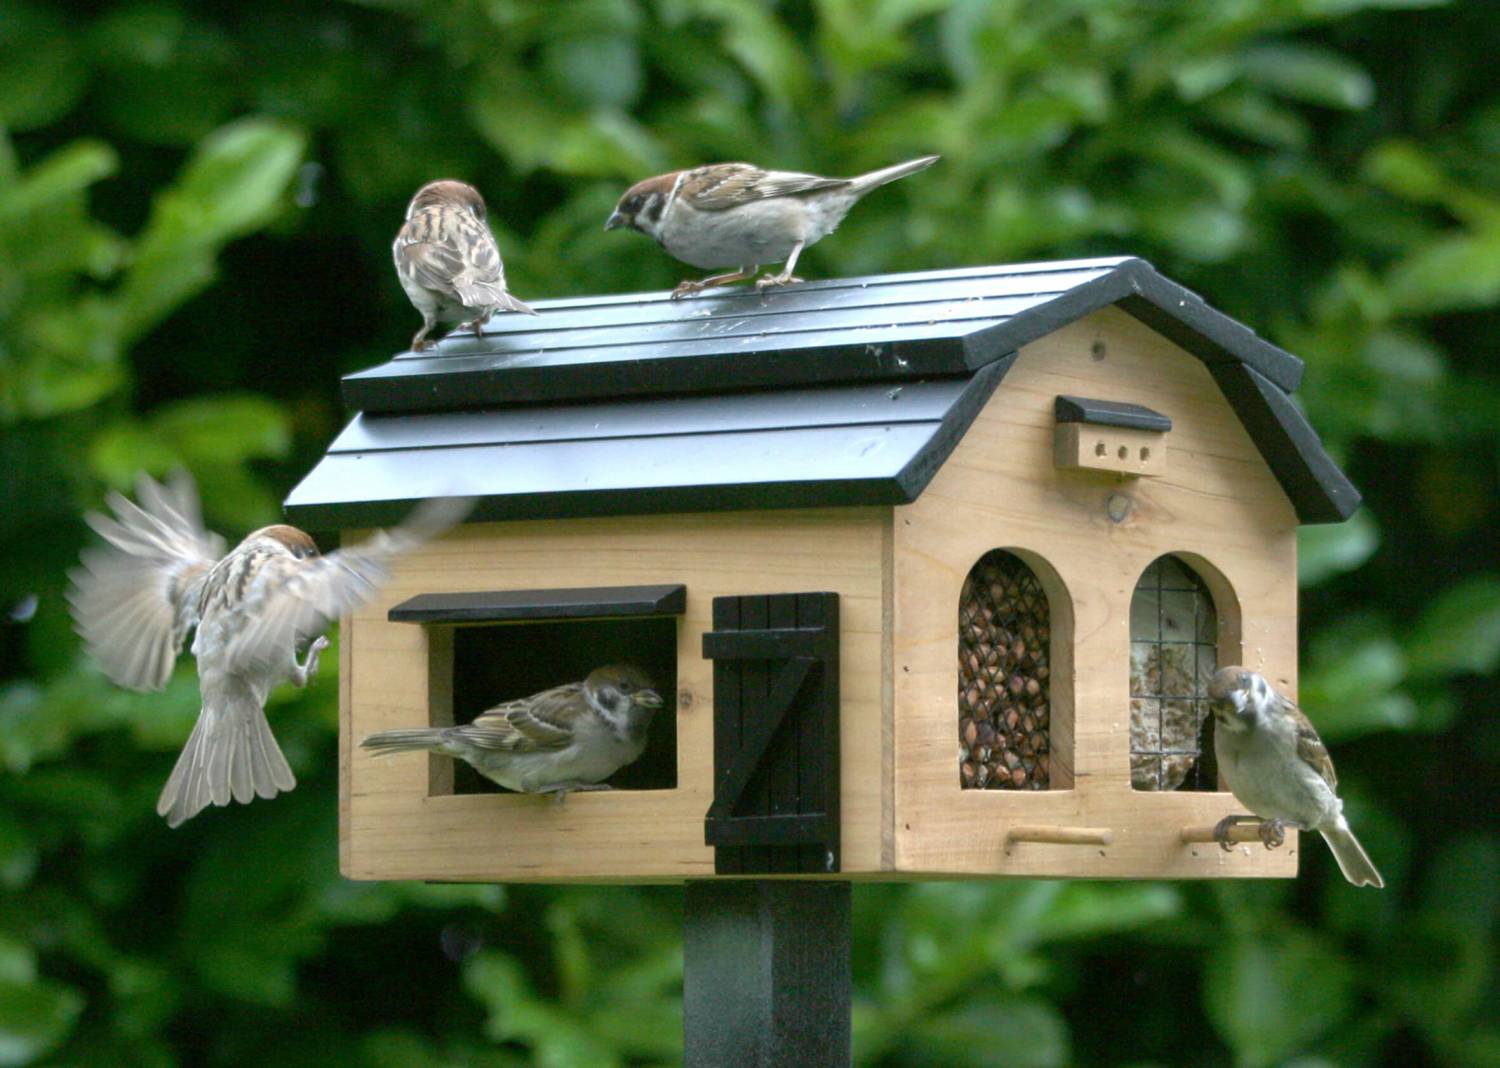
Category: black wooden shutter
[776,734]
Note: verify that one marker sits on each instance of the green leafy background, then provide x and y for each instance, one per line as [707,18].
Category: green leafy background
[196,201]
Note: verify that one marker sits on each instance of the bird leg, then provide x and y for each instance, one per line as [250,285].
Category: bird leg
[476,324]
[306,671]
[785,277]
[688,285]
[1273,833]
[561,791]
[419,339]
[1221,829]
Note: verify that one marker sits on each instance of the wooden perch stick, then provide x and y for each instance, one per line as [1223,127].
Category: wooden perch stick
[1240,832]
[1098,836]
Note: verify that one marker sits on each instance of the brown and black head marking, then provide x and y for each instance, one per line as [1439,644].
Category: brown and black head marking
[447,191]
[643,203]
[297,542]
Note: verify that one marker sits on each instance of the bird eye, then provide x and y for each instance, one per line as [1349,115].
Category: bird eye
[626,686]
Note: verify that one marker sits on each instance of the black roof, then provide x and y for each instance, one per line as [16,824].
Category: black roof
[840,392]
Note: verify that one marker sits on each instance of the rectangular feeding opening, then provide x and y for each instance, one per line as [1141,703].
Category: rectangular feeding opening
[490,648]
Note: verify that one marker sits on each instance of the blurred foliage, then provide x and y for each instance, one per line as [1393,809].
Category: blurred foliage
[195,205]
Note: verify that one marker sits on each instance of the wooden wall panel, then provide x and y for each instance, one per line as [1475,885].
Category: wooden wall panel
[1217,503]
[393,829]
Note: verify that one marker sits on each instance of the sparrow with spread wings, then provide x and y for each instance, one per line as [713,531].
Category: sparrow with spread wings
[737,215]
[571,737]
[448,262]
[160,574]
[1278,767]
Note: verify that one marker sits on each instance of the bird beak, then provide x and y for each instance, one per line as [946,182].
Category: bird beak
[648,699]
[615,221]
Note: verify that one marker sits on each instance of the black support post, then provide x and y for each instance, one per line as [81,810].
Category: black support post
[766,974]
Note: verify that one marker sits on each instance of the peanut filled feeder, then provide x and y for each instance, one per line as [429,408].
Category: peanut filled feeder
[931,571]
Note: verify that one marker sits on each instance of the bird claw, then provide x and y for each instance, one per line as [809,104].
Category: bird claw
[685,288]
[1228,823]
[767,281]
[1273,833]
[475,324]
[306,671]
[560,793]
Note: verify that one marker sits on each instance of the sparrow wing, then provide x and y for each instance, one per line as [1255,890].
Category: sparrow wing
[727,185]
[1310,748]
[456,256]
[136,597]
[543,721]
[291,600]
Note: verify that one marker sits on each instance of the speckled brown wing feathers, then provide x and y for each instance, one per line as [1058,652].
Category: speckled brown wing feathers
[540,722]
[1310,747]
[721,186]
[460,260]
[136,597]
[295,600]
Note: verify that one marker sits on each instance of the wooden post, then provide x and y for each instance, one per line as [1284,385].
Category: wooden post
[766,975]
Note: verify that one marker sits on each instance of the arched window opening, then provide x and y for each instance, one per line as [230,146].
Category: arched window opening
[1173,654]
[1004,690]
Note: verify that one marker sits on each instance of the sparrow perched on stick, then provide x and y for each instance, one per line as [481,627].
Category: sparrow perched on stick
[1277,766]
[448,262]
[160,574]
[571,737]
[737,215]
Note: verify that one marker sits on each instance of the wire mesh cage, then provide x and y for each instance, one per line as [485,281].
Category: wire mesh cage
[1004,712]
[1173,654]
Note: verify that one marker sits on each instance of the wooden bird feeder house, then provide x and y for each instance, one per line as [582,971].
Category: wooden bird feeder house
[932,568]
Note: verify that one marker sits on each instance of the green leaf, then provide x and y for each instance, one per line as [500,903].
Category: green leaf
[1349,686]
[224,428]
[1330,549]
[18,853]
[1459,632]
[17,961]
[234,183]
[121,452]
[1271,994]
[1449,274]
[66,173]
[1087,910]
[41,73]
[34,1018]
[1313,75]
[996,1032]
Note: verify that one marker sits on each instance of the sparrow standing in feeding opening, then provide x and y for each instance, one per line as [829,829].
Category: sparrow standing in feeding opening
[448,262]
[571,737]
[737,215]
[160,574]
[1277,766]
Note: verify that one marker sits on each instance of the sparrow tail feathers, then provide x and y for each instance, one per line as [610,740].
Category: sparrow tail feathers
[510,303]
[231,754]
[1354,862]
[408,740]
[865,182]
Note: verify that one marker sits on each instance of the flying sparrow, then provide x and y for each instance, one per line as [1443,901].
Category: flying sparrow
[1277,766]
[448,261]
[571,737]
[160,574]
[737,215]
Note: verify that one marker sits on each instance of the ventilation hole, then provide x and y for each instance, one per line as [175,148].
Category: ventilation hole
[1124,452]
[1099,448]
[1145,454]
